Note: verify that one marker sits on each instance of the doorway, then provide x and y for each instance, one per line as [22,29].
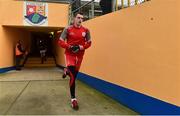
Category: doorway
[35,59]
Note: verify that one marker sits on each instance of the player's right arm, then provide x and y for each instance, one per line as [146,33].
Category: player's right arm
[62,40]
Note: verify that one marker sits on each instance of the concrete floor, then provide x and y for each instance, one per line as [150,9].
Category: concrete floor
[42,91]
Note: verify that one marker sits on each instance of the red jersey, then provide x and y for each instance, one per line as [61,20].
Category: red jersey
[75,36]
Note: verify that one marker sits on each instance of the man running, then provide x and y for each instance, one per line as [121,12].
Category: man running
[75,39]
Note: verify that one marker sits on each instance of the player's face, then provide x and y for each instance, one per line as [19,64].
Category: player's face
[78,19]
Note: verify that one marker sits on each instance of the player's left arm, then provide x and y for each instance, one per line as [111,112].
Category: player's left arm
[88,41]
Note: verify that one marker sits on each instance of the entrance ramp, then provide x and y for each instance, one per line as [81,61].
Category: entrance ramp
[42,91]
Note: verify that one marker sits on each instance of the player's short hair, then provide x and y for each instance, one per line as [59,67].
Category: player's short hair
[81,13]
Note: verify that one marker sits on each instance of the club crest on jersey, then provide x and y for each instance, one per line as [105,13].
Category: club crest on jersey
[71,33]
[35,13]
[83,34]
